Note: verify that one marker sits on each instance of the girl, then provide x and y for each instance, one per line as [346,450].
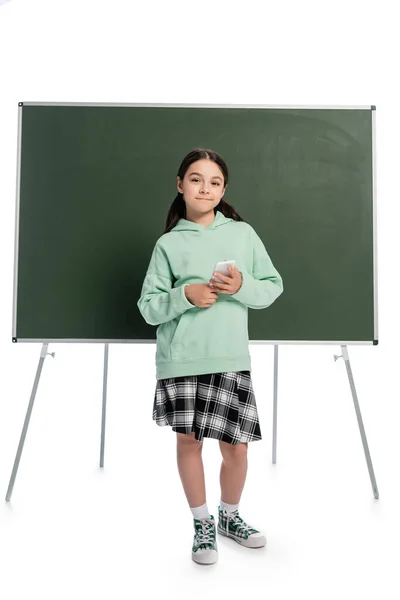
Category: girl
[204,386]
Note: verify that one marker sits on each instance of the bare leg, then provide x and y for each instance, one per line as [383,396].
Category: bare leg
[233,471]
[190,467]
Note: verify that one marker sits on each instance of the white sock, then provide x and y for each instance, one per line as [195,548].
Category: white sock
[228,507]
[200,512]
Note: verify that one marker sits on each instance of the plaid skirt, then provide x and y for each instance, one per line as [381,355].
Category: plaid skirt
[215,405]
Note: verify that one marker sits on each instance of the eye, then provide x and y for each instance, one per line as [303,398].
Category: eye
[195,179]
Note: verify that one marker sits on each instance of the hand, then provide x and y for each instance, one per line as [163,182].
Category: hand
[201,295]
[230,284]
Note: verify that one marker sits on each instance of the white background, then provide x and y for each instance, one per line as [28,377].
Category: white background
[73,530]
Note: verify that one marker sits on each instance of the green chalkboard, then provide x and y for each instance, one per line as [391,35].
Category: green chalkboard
[95,182]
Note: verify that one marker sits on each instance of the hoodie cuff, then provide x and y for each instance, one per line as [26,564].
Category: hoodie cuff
[241,294]
[184,301]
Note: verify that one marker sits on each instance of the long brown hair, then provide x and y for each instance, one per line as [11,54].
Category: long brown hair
[177,209]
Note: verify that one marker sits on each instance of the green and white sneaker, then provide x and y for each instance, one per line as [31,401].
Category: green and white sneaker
[231,525]
[204,550]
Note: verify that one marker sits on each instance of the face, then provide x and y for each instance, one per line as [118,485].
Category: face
[202,187]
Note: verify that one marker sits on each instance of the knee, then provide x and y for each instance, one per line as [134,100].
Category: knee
[235,452]
[187,442]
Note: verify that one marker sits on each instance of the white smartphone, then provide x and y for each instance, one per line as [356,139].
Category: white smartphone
[222,267]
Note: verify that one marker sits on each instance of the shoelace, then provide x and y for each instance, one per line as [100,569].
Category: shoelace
[234,517]
[204,535]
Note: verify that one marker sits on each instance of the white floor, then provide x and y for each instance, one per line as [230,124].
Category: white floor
[72,529]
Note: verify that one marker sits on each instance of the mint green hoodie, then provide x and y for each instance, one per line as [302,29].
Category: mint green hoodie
[193,340]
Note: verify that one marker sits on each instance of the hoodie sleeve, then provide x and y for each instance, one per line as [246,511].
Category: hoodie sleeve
[263,286]
[159,302]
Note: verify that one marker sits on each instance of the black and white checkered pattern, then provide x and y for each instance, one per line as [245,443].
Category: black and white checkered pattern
[215,405]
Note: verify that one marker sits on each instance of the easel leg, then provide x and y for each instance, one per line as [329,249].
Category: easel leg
[103,414]
[43,354]
[360,421]
[274,430]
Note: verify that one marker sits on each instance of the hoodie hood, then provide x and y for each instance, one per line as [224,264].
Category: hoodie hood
[185,225]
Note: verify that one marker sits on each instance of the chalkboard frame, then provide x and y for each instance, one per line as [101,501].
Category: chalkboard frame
[253,106]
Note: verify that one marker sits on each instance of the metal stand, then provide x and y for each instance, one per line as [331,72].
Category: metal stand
[345,357]
[43,355]
[275,404]
[103,412]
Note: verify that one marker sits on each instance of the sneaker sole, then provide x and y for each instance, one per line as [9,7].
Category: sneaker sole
[208,558]
[249,543]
